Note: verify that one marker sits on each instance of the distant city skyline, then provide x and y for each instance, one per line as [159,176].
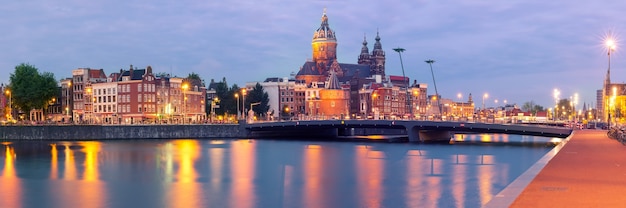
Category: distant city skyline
[515,50]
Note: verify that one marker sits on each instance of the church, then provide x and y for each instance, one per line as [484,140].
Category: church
[324,60]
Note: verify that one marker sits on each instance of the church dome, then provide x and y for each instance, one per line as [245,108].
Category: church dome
[324,30]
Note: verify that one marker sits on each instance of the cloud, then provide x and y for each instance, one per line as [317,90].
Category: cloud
[479,46]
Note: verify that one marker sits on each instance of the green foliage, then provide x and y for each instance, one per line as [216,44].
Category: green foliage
[532,107]
[30,89]
[257,95]
[194,80]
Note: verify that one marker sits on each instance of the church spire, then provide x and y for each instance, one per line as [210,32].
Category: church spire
[377,66]
[324,30]
[364,57]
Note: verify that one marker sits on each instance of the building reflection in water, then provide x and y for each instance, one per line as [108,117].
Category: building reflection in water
[459,179]
[185,191]
[243,166]
[258,173]
[84,189]
[54,162]
[312,174]
[370,174]
[10,185]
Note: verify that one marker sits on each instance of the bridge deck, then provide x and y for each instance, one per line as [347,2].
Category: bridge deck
[590,171]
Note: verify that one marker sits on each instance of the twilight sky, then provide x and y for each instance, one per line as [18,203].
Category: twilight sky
[518,50]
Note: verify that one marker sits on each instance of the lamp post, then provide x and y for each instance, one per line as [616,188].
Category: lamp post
[185,86]
[408,97]
[430,62]
[243,102]
[8,92]
[237,98]
[251,111]
[613,105]
[485,96]
[556,100]
[610,46]
[67,99]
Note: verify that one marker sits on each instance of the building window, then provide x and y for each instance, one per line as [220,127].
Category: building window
[332,104]
[139,88]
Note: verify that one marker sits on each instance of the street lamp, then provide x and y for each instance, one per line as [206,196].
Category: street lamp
[430,62]
[610,46]
[243,102]
[484,97]
[67,99]
[8,92]
[185,86]
[237,97]
[556,100]
[251,111]
[408,97]
[613,105]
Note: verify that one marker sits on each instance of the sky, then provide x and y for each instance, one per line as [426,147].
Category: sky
[514,50]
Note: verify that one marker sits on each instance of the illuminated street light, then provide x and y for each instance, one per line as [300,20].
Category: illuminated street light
[243,102]
[556,101]
[485,96]
[185,86]
[8,92]
[237,97]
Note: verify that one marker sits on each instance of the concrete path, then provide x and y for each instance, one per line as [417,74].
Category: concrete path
[589,171]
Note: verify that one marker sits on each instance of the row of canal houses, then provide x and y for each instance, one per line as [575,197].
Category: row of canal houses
[127,97]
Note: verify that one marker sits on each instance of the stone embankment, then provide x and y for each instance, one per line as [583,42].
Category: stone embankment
[106,132]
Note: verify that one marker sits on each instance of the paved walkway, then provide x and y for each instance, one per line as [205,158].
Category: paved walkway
[589,171]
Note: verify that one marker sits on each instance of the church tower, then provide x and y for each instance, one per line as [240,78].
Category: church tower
[377,65]
[324,46]
[364,57]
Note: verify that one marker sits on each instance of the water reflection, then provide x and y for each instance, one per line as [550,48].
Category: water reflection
[258,173]
[10,185]
[370,174]
[185,191]
[242,173]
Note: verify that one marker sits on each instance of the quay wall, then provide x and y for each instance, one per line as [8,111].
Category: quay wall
[107,132]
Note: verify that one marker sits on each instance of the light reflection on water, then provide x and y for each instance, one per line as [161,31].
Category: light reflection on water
[260,173]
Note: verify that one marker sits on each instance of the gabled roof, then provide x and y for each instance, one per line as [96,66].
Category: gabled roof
[97,73]
[137,74]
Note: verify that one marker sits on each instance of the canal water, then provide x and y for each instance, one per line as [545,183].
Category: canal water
[263,173]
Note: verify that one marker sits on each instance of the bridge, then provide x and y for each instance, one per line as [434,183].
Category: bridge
[416,130]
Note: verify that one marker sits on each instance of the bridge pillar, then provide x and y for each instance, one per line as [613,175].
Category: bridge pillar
[435,136]
[414,134]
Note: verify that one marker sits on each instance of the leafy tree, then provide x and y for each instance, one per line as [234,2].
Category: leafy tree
[257,95]
[564,109]
[532,107]
[194,80]
[30,89]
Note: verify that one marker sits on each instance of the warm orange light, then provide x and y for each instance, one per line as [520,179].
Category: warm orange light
[8,92]
[185,86]
[236,95]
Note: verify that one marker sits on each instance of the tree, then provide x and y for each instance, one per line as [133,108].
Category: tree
[194,80]
[30,89]
[564,109]
[532,107]
[257,95]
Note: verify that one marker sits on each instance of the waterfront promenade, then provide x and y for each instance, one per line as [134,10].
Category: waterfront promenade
[589,171]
